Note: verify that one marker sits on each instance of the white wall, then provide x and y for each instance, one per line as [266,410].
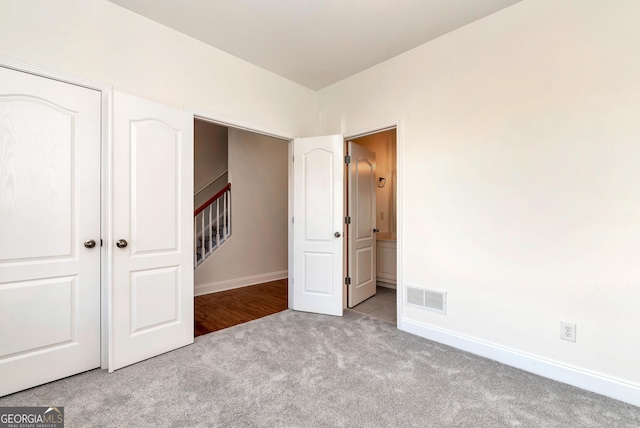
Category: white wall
[99,40]
[521,174]
[257,250]
[520,154]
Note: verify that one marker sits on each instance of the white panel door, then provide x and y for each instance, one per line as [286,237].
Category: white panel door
[318,224]
[49,206]
[361,232]
[152,302]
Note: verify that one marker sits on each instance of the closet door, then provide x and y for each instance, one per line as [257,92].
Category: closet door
[49,230]
[152,242]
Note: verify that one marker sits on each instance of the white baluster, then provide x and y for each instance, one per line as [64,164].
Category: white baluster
[229,212]
[217,222]
[195,241]
[210,230]
[222,226]
[202,244]
[224,214]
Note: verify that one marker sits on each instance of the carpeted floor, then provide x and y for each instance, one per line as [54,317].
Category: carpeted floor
[295,369]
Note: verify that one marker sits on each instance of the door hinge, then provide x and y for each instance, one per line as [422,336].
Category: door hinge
[347,159]
[292,220]
[293,158]
[347,280]
[101,242]
[347,220]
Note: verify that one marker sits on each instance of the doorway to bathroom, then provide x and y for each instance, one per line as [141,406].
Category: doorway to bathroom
[382,300]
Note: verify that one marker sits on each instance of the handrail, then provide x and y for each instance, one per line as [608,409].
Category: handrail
[211,182]
[211,199]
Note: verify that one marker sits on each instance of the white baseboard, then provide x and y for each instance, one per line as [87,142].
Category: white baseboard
[386,285]
[590,381]
[230,284]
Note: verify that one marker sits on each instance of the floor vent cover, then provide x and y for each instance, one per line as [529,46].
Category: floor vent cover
[431,300]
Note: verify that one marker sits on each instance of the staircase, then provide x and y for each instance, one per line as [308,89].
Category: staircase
[212,225]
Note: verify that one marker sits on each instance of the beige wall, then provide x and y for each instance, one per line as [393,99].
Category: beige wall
[383,144]
[210,154]
[257,250]
[210,160]
[99,40]
[521,154]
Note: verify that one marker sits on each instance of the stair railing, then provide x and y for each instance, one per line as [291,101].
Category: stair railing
[212,224]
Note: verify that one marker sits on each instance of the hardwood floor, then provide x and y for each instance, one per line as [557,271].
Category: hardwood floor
[216,311]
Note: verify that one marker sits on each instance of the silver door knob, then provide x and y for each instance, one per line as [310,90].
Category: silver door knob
[376,230]
[121,243]
[90,243]
[337,234]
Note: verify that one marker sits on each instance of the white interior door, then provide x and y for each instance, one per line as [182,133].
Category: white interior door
[152,302]
[318,223]
[49,206]
[361,232]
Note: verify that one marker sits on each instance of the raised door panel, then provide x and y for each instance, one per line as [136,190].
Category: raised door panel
[37,178]
[155,298]
[155,192]
[318,274]
[317,176]
[364,264]
[365,191]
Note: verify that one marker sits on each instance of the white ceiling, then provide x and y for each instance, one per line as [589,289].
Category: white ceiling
[315,42]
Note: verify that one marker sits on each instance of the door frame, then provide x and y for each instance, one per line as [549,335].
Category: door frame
[105,176]
[398,124]
[223,120]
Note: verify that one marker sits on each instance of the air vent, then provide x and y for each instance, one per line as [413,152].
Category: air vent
[415,296]
[431,300]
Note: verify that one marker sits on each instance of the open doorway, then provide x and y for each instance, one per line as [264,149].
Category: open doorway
[380,301]
[387,215]
[254,251]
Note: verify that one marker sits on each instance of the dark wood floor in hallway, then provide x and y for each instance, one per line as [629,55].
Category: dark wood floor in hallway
[216,311]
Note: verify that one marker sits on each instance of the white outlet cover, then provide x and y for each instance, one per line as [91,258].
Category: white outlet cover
[568,331]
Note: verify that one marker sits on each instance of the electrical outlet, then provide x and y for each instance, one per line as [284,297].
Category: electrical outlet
[567,331]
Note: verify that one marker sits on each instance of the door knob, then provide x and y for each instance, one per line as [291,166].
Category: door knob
[121,243]
[376,230]
[337,234]
[90,243]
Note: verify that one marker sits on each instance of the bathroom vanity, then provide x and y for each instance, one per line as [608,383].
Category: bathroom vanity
[386,259]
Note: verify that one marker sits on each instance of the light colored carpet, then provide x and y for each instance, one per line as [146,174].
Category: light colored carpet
[295,369]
